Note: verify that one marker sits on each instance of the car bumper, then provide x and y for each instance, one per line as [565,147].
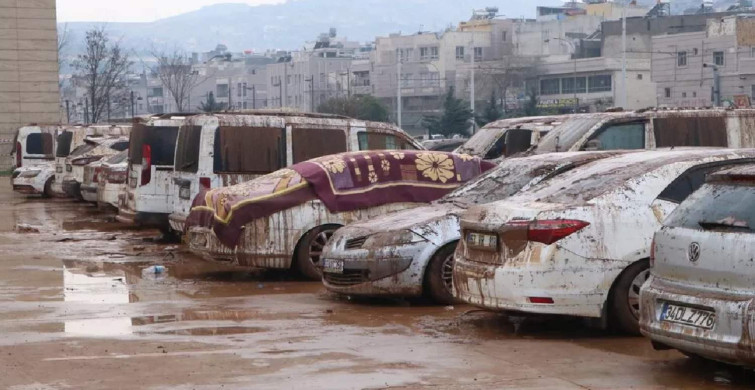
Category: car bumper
[500,288]
[89,192]
[177,222]
[202,242]
[729,341]
[27,186]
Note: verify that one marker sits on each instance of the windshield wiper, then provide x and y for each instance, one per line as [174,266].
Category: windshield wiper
[725,224]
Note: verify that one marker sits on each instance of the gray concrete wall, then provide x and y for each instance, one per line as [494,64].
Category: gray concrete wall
[28,68]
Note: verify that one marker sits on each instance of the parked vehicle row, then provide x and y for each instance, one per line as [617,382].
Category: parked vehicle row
[544,215]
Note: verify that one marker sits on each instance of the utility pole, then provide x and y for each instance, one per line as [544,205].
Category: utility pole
[398,95]
[132,104]
[716,84]
[624,56]
[86,110]
[472,83]
[311,81]
[68,111]
[254,97]
[108,108]
[230,94]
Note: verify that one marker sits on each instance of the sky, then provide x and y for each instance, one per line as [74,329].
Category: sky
[134,10]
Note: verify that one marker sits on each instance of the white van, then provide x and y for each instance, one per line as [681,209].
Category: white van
[152,148]
[34,145]
[220,150]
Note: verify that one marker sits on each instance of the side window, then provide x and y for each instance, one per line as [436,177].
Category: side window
[257,150]
[517,141]
[690,131]
[378,141]
[498,149]
[618,136]
[39,143]
[311,143]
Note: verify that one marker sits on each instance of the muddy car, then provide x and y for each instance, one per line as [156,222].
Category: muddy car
[92,151]
[152,147]
[111,182]
[579,244]
[284,219]
[33,163]
[72,138]
[410,253]
[219,150]
[699,297]
[647,129]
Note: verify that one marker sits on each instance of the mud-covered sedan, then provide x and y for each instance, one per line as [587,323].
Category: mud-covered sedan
[410,253]
[579,244]
[700,298]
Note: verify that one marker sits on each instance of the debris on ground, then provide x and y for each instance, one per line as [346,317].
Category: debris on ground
[24,228]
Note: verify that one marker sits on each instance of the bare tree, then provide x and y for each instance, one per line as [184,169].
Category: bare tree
[508,75]
[64,39]
[175,71]
[103,70]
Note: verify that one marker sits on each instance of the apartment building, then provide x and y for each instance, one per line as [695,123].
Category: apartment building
[28,68]
[685,65]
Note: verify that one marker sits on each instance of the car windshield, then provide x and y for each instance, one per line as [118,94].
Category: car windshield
[566,134]
[118,158]
[718,207]
[83,149]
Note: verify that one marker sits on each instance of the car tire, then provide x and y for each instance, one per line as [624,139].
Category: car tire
[309,249]
[47,191]
[624,298]
[437,281]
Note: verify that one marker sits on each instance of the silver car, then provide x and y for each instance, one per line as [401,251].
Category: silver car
[700,297]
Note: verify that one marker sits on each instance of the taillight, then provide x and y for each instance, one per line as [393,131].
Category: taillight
[204,182]
[96,176]
[652,253]
[117,177]
[548,231]
[19,157]
[146,164]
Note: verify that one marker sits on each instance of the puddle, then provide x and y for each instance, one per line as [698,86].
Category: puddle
[211,331]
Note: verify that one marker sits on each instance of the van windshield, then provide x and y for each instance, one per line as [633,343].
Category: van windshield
[719,207]
[161,140]
[64,144]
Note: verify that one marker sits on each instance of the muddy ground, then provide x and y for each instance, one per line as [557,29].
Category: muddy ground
[76,312]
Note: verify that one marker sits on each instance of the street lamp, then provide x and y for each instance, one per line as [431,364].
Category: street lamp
[139,98]
[574,73]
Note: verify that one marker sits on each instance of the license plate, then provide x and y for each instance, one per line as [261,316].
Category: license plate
[184,193]
[699,318]
[332,266]
[69,168]
[59,169]
[482,241]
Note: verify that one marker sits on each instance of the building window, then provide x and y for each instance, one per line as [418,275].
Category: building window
[681,58]
[434,52]
[157,92]
[567,85]
[505,36]
[238,89]
[684,94]
[599,83]
[550,87]
[639,76]
[667,92]
[694,51]
[428,53]
[718,58]
[478,54]
[694,94]
[222,90]
[459,52]
[243,88]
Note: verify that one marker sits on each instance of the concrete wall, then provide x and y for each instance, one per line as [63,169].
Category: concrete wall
[28,68]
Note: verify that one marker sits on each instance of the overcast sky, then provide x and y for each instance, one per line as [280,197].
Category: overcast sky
[134,10]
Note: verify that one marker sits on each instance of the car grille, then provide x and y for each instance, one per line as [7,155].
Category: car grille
[355,243]
[347,278]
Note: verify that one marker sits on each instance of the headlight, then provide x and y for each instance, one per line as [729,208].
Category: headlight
[30,173]
[400,237]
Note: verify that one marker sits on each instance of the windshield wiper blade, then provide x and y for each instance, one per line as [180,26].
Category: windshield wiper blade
[709,225]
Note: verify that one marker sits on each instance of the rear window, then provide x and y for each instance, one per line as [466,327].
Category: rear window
[82,149]
[64,144]
[311,143]
[381,141]
[39,143]
[187,149]
[257,150]
[628,136]
[118,158]
[717,206]
[120,146]
[690,131]
[162,142]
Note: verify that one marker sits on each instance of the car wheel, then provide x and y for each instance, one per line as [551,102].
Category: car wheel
[309,250]
[439,275]
[625,297]
[47,192]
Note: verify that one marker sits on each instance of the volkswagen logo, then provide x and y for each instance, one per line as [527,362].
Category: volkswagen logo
[693,253]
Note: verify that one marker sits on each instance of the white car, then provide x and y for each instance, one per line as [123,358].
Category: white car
[35,179]
[111,183]
[579,244]
[33,163]
[93,151]
[410,252]
[699,297]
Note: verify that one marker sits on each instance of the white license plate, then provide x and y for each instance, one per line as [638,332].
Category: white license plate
[184,193]
[482,241]
[69,168]
[332,266]
[699,318]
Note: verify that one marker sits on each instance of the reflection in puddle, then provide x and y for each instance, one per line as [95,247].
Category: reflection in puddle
[212,331]
[96,288]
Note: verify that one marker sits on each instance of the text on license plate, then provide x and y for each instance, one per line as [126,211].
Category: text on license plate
[332,266]
[482,240]
[700,318]
[184,193]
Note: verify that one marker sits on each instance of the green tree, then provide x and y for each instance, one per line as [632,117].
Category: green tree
[455,119]
[359,107]
[491,113]
[211,105]
[531,106]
